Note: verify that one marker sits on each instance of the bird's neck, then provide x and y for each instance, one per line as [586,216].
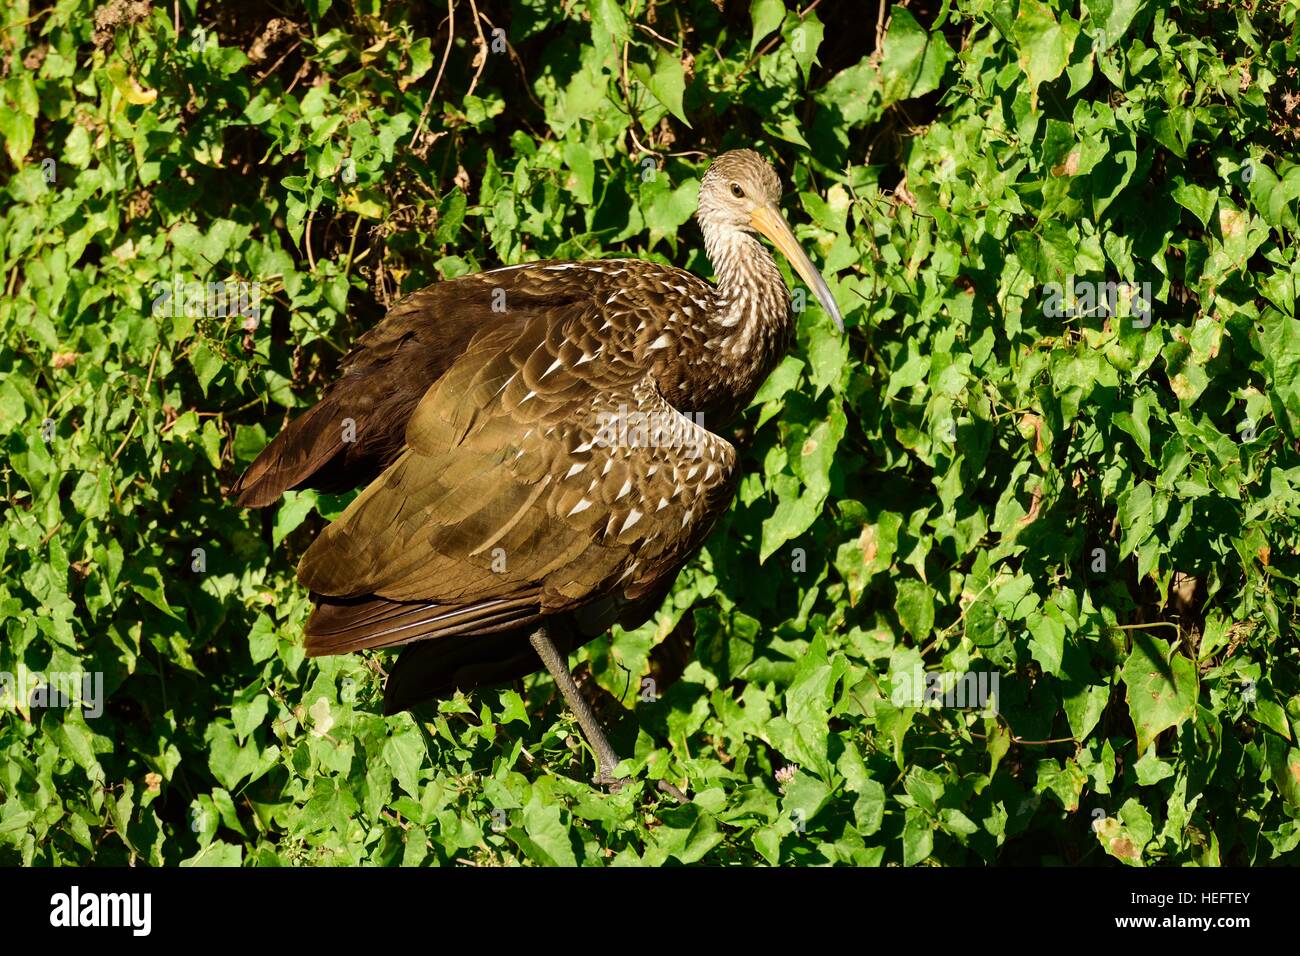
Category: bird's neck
[752,327]
[745,269]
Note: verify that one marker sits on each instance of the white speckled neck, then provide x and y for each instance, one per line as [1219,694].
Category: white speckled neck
[750,287]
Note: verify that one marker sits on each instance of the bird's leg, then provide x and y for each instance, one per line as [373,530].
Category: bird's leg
[606,759]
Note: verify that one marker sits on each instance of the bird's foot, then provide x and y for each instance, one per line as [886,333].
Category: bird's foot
[604,778]
[666,787]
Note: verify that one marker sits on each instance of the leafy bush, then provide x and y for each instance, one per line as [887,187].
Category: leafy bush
[989,475]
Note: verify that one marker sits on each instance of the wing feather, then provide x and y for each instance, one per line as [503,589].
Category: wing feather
[568,485]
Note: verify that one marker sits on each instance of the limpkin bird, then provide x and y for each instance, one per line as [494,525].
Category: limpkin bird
[540,452]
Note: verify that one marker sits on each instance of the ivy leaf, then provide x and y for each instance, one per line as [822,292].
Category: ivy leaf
[548,836]
[765,16]
[805,37]
[1161,691]
[914,59]
[914,605]
[1044,43]
[295,509]
[667,82]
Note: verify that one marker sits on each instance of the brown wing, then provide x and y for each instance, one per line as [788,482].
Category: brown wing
[540,476]
[348,436]
[358,427]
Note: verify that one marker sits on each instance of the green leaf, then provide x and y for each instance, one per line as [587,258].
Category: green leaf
[765,16]
[1196,199]
[217,853]
[914,60]
[783,378]
[19,131]
[609,30]
[421,54]
[914,605]
[1161,691]
[206,365]
[262,639]
[451,214]
[404,753]
[801,502]
[667,82]
[1044,43]
[1272,716]
[296,506]
[129,86]
[549,836]
[805,38]
[666,209]
[1048,640]
[583,172]
[1110,20]
[918,837]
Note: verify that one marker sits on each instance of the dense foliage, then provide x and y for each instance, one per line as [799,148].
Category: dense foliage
[990,474]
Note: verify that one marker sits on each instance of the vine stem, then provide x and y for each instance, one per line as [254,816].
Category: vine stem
[437,80]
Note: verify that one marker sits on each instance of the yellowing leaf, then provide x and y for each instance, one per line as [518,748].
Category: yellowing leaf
[1044,44]
[129,87]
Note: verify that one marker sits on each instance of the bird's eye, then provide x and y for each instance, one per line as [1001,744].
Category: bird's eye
[737,191]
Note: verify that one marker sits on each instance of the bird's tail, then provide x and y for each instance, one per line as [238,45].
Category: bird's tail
[346,625]
[306,446]
[447,647]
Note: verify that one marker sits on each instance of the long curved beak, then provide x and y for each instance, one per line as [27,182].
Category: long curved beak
[769,221]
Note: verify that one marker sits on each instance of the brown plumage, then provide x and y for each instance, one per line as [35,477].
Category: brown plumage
[539,445]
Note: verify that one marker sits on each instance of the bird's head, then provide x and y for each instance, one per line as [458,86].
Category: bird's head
[740,191]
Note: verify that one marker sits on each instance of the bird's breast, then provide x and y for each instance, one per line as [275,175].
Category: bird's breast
[718,368]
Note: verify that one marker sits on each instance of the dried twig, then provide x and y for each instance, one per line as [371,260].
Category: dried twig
[306,240]
[276,65]
[480,59]
[632,118]
[446,55]
[148,380]
[658,36]
[519,63]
